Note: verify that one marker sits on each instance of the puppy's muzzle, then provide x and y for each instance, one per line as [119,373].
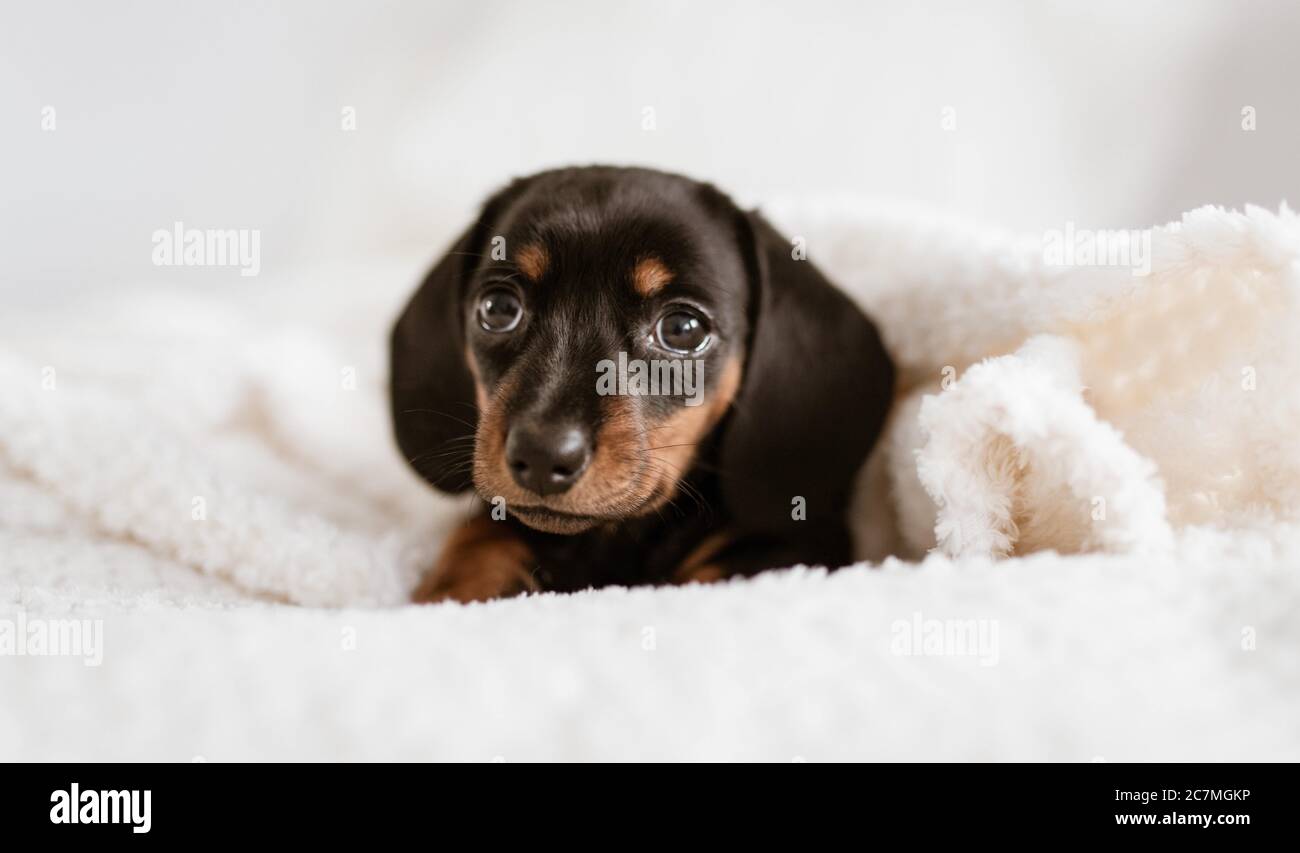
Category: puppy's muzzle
[547,458]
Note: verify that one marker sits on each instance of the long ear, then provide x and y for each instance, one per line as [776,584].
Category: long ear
[816,390]
[431,389]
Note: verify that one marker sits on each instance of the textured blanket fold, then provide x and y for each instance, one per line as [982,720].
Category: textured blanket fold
[1082,408]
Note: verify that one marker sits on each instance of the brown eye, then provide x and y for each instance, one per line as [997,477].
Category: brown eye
[682,331]
[499,310]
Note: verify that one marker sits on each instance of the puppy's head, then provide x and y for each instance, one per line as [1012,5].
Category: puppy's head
[579,347]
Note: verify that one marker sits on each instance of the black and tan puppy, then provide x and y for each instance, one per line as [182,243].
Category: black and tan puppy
[521,368]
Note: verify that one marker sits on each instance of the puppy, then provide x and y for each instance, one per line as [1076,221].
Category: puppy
[643,384]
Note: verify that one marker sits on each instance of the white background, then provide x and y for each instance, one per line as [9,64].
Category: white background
[227,115]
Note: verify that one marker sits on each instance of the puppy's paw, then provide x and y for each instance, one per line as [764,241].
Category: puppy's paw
[482,560]
[707,573]
[701,564]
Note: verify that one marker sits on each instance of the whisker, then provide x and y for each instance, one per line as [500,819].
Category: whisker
[436,412]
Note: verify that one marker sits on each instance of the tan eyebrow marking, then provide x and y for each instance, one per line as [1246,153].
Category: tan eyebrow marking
[532,261]
[650,276]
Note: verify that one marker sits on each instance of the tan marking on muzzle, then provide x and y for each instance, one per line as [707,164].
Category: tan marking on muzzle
[672,444]
[633,471]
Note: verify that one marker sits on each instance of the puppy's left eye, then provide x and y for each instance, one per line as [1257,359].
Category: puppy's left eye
[499,310]
[682,330]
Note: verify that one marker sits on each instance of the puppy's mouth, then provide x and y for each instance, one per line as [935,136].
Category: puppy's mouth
[637,490]
[553,521]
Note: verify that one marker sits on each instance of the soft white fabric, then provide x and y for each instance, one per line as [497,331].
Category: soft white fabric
[213,478]
[1104,408]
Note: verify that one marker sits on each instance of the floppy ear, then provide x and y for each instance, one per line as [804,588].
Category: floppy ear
[431,389]
[815,393]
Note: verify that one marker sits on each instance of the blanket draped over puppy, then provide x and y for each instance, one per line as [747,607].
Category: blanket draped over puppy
[1080,407]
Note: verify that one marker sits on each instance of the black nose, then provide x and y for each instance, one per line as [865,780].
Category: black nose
[547,458]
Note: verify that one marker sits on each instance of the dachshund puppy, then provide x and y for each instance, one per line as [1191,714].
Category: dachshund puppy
[644,385]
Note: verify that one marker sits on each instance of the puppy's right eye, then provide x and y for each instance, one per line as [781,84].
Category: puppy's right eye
[499,310]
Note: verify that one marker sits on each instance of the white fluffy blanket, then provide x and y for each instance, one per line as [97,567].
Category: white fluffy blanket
[1102,466]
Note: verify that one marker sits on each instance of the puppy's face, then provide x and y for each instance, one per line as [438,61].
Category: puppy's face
[605,331]
[581,343]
